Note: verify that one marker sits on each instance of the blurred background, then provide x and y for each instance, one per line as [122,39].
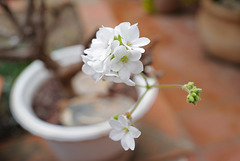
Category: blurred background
[197,40]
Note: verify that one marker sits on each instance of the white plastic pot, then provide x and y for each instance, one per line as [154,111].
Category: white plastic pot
[83,143]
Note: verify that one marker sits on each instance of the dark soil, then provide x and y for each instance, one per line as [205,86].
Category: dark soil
[49,99]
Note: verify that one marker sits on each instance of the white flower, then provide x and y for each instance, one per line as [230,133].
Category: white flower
[126,62]
[101,46]
[115,78]
[115,54]
[130,36]
[104,38]
[124,131]
[97,64]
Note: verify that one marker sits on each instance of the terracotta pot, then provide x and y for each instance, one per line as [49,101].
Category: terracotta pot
[79,143]
[219,30]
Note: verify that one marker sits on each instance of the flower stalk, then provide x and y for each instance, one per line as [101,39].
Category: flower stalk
[115,55]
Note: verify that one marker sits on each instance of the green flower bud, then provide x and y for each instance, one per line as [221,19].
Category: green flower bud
[115,117]
[197,98]
[190,85]
[190,99]
[193,93]
[195,102]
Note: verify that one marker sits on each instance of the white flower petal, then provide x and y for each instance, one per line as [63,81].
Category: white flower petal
[115,124]
[135,55]
[139,49]
[116,66]
[134,132]
[108,33]
[100,77]
[124,74]
[118,80]
[133,33]
[130,141]
[141,42]
[125,43]
[114,45]
[85,58]
[87,51]
[111,74]
[87,69]
[114,78]
[98,66]
[105,35]
[116,135]
[123,121]
[98,45]
[129,82]
[97,76]
[120,51]
[135,67]
[122,28]
[124,143]
[123,25]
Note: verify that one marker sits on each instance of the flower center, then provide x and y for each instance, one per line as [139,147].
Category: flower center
[126,129]
[128,43]
[124,59]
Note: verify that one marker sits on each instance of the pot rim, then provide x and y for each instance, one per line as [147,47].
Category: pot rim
[25,116]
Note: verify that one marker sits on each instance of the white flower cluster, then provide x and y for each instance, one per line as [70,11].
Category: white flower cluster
[115,54]
[124,131]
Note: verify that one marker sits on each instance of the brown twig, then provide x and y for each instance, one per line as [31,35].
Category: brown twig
[41,41]
[29,26]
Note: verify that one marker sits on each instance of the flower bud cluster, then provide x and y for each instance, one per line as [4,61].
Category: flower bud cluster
[115,54]
[194,93]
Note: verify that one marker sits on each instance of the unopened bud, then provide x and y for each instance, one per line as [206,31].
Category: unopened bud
[193,93]
[115,117]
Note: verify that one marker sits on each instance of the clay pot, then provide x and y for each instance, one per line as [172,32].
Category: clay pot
[72,143]
[219,30]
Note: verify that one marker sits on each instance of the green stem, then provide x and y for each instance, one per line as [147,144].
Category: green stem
[148,87]
[139,100]
[145,78]
[166,85]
